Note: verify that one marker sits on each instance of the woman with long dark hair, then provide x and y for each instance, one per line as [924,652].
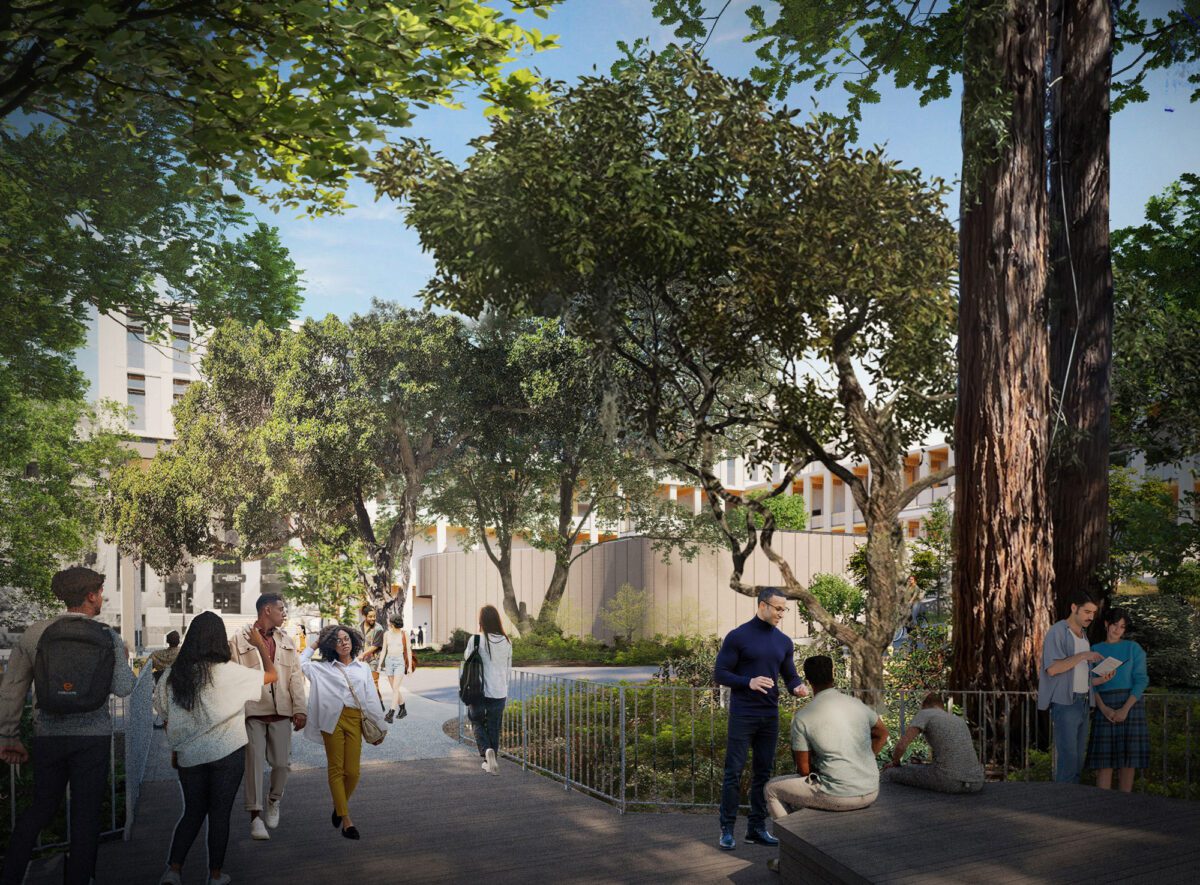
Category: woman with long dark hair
[1120,737]
[203,696]
[341,691]
[487,717]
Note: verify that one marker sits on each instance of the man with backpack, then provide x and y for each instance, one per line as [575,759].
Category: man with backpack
[75,663]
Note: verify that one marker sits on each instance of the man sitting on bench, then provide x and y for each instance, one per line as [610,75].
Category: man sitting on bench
[955,768]
[834,741]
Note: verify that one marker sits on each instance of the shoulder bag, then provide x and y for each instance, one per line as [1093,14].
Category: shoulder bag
[371,732]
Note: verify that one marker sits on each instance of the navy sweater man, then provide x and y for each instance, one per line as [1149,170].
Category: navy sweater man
[751,659]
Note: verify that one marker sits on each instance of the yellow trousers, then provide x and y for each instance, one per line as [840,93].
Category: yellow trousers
[343,750]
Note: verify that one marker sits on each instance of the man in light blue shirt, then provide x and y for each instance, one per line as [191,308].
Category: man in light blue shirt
[1064,685]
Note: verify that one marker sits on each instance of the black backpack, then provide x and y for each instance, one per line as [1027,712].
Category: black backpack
[73,670]
[470,680]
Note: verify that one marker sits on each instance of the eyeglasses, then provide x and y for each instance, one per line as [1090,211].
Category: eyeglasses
[781,609]
[344,640]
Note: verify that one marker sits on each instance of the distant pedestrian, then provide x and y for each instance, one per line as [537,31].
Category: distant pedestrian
[203,698]
[751,659]
[421,634]
[272,717]
[163,658]
[340,693]
[835,739]
[69,748]
[1064,685]
[395,662]
[372,634]
[1120,737]
[487,717]
[955,767]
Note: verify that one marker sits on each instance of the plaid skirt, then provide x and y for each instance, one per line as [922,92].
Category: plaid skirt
[1119,745]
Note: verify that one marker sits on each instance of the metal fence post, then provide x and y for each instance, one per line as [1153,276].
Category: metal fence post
[621,736]
[524,722]
[567,732]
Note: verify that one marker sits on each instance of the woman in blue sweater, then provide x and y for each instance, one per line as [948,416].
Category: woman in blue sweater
[1120,737]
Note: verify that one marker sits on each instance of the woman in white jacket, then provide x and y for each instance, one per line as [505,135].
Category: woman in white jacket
[341,691]
[496,653]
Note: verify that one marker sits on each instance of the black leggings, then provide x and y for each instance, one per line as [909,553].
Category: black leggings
[208,791]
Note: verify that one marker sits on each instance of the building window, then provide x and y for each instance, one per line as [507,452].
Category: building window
[227,585]
[938,460]
[179,388]
[273,579]
[914,528]
[181,348]
[135,388]
[730,471]
[135,345]
[910,474]
[178,592]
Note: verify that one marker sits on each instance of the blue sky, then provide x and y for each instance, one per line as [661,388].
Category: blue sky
[369,252]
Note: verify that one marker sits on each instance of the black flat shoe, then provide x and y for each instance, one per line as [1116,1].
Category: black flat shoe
[337,819]
[351,833]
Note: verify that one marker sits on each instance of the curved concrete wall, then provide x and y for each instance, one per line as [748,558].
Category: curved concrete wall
[686,596]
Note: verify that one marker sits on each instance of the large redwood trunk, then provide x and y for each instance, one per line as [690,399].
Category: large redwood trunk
[1081,287]
[1002,585]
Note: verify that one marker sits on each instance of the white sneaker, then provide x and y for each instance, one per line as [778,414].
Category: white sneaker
[170,877]
[490,762]
[224,880]
[487,769]
[258,829]
[271,815]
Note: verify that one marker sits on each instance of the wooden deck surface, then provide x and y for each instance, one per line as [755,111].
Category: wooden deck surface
[443,821]
[1009,833]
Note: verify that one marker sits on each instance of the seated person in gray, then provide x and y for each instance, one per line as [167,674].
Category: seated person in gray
[955,767]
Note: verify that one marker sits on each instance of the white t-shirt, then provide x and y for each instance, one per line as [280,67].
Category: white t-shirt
[1079,673]
[216,724]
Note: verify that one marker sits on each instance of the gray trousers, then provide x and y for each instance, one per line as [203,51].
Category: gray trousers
[930,777]
[272,742]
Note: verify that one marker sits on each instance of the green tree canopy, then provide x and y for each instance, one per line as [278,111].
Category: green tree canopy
[284,100]
[1156,332]
[293,434]
[768,287]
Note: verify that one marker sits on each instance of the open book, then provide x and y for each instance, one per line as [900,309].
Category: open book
[1106,666]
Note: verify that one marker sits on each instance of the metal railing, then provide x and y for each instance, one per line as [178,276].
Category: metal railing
[129,748]
[661,746]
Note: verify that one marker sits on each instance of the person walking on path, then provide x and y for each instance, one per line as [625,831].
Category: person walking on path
[372,635]
[203,699]
[835,739]
[395,661]
[751,658]
[955,767]
[487,717]
[68,748]
[163,658]
[271,717]
[1120,737]
[1064,685]
[340,693]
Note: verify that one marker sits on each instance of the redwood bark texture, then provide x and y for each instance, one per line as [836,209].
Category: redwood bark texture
[1002,586]
[1081,294]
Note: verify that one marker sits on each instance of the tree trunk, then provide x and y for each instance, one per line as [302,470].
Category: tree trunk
[1002,586]
[1081,295]
[547,620]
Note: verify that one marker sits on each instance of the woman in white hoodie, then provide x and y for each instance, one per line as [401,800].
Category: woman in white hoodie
[496,653]
[341,691]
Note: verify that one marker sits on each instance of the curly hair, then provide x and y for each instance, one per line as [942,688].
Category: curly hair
[327,642]
[206,644]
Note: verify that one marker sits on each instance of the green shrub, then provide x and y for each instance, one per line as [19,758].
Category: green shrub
[457,644]
[1168,628]
[1184,582]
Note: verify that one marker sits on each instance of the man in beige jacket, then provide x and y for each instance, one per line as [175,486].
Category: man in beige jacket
[270,720]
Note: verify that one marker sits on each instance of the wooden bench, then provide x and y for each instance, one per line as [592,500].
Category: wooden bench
[1010,832]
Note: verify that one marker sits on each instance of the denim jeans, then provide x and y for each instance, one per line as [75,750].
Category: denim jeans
[758,734]
[1070,723]
[82,762]
[486,719]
